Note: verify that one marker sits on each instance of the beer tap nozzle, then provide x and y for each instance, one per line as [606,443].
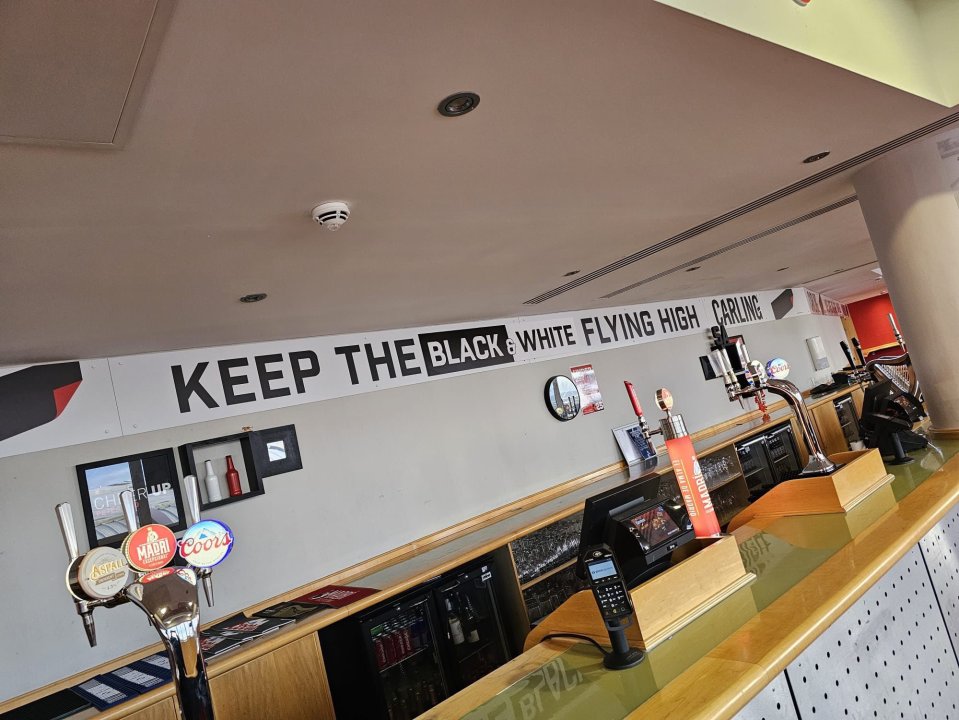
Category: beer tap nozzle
[192,492]
[68,531]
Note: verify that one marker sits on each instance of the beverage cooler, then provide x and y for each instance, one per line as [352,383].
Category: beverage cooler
[768,459]
[401,658]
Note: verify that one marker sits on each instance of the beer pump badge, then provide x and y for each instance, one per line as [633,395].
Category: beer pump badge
[103,573]
[777,368]
[206,543]
[150,548]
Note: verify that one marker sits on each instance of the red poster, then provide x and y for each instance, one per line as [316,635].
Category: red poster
[584,377]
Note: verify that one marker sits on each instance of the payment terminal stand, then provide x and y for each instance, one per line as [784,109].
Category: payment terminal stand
[615,606]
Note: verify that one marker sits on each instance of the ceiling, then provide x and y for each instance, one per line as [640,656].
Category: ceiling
[604,128]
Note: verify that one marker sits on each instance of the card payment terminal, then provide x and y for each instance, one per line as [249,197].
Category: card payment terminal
[615,605]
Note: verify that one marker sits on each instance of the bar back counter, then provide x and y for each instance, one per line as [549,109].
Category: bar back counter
[851,614]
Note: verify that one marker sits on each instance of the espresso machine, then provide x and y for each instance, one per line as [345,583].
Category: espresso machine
[140,573]
[745,378]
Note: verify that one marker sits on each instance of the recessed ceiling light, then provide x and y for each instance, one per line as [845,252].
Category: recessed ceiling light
[784,268]
[571,273]
[817,157]
[253,297]
[458,104]
[878,271]
[694,267]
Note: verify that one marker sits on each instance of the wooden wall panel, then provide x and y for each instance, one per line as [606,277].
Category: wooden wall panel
[164,710]
[288,683]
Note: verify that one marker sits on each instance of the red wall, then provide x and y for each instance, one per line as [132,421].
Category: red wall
[871,319]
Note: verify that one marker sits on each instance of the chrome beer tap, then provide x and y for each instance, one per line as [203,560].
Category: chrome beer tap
[745,378]
[107,577]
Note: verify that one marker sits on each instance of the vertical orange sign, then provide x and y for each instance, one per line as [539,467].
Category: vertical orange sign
[692,485]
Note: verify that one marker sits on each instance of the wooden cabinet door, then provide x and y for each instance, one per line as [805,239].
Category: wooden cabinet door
[288,683]
[164,710]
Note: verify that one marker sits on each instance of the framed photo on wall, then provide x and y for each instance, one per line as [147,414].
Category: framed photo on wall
[153,479]
[276,450]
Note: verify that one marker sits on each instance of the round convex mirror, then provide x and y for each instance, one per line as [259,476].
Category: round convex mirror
[562,398]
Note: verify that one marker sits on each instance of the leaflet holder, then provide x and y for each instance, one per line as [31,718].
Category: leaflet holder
[663,604]
[860,474]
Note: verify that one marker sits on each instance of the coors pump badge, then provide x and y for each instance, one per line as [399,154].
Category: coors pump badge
[105,577]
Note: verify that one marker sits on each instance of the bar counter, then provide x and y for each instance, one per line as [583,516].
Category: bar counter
[301,689]
[810,570]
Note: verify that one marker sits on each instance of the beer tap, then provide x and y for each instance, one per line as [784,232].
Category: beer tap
[83,606]
[895,331]
[192,492]
[640,417]
[107,577]
[745,378]
[857,373]
[862,358]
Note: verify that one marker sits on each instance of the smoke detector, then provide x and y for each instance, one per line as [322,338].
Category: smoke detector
[331,215]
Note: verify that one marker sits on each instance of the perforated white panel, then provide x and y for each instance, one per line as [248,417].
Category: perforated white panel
[773,703]
[940,547]
[888,656]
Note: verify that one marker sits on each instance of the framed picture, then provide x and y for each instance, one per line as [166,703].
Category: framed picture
[218,452]
[276,450]
[153,479]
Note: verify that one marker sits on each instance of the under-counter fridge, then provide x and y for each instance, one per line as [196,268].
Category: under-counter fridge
[399,659]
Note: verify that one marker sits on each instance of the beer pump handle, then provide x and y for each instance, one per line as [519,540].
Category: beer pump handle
[69,532]
[129,510]
[855,344]
[191,489]
[845,350]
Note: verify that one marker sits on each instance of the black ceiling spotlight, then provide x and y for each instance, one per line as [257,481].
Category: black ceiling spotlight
[571,273]
[782,268]
[458,104]
[816,157]
[253,297]
[694,267]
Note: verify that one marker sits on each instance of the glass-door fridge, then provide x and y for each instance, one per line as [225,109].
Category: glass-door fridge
[475,642]
[399,659]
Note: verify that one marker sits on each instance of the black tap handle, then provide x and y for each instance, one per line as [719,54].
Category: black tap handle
[845,351]
[855,344]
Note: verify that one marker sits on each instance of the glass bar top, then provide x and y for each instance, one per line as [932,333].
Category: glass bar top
[781,552]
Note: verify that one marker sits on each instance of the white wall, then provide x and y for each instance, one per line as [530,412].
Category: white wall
[380,469]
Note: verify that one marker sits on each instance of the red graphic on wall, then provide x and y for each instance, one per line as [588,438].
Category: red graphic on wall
[36,395]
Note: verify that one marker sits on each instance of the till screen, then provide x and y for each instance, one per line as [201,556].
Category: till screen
[601,570]
[655,525]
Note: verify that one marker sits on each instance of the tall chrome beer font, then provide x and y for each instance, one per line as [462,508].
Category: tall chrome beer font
[140,573]
[745,378]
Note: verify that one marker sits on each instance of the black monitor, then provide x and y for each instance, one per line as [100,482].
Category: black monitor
[608,519]
[884,398]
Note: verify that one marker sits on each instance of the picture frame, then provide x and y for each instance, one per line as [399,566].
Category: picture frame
[239,447]
[151,476]
[276,450]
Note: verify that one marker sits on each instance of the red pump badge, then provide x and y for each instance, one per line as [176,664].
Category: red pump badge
[689,476]
[692,485]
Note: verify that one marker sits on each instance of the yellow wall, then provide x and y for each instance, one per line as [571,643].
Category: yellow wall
[882,39]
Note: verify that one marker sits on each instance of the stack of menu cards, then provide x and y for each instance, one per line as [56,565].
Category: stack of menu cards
[234,631]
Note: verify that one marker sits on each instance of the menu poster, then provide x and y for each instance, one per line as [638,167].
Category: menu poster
[244,628]
[335,596]
[291,610]
[157,664]
[132,678]
[213,645]
[584,377]
[101,695]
